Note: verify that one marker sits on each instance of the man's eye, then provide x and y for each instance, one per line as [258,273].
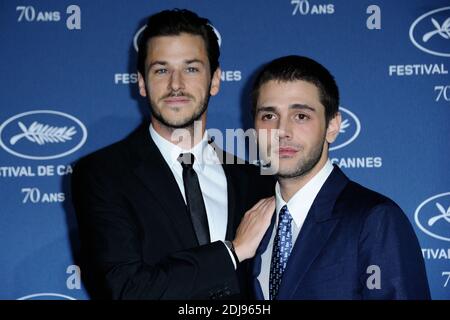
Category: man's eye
[302,116]
[160,71]
[268,116]
[192,69]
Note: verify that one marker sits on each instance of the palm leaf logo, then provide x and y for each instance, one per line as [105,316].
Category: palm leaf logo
[443,214]
[344,125]
[443,31]
[42,134]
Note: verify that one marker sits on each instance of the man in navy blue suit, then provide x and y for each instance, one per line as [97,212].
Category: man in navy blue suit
[330,238]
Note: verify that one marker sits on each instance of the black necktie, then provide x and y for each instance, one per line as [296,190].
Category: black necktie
[194,198]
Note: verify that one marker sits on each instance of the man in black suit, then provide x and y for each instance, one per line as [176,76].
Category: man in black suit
[156,211]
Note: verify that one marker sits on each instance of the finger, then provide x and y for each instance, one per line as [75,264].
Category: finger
[272,205]
[250,212]
[267,203]
[259,204]
[269,209]
[266,206]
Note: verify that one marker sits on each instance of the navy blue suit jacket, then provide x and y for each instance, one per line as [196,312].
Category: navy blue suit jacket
[349,229]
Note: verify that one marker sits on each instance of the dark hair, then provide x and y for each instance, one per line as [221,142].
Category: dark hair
[172,23]
[292,68]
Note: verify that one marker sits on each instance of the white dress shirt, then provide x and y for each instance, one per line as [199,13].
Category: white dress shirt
[211,177]
[298,207]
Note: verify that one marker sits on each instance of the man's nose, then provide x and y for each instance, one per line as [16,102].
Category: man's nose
[284,129]
[176,81]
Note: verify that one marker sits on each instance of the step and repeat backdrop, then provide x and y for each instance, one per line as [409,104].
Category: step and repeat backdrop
[68,87]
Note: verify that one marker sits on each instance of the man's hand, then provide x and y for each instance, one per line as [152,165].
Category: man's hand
[252,228]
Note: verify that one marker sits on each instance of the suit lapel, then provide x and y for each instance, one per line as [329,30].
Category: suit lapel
[156,175]
[153,171]
[256,262]
[316,230]
[228,164]
[231,198]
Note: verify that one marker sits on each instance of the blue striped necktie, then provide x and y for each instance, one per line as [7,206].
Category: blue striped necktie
[282,247]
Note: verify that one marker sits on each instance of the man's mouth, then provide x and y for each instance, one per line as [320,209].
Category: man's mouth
[177,100]
[287,151]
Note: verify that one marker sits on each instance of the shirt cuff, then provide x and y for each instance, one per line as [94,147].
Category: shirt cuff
[231,255]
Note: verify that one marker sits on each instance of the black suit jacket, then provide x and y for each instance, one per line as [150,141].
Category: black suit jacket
[137,239]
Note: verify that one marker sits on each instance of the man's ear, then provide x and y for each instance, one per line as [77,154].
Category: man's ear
[333,128]
[215,82]
[142,90]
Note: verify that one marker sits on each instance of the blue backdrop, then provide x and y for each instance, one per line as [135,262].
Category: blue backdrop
[68,87]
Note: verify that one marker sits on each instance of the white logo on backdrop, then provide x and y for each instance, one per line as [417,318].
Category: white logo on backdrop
[47,296]
[43,133]
[432,216]
[20,133]
[438,31]
[304,8]
[349,130]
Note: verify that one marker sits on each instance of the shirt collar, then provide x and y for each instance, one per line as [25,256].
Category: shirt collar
[171,151]
[302,200]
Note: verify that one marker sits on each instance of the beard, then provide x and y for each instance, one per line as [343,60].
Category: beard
[185,122]
[305,164]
